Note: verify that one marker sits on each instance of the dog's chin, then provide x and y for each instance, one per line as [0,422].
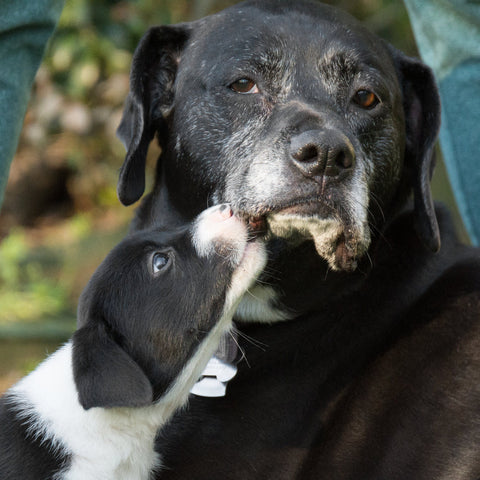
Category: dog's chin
[339,243]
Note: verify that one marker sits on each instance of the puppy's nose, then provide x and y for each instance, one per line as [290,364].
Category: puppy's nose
[221,223]
[218,228]
[221,212]
[322,152]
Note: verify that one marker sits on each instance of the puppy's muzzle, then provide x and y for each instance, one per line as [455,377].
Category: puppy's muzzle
[219,231]
[322,153]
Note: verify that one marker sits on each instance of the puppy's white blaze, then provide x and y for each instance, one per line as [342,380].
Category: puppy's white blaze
[210,231]
[257,305]
[252,263]
[117,443]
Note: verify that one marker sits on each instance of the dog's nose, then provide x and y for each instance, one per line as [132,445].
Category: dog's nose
[322,152]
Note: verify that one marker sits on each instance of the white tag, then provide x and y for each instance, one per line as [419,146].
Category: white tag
[217,368]
[214,378]
[209,387]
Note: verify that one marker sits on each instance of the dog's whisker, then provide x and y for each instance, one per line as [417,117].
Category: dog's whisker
[370,224]
[369,259]
[273,273]
[380,233]
[264,283]
[242,351]
[251,340]
[374,198]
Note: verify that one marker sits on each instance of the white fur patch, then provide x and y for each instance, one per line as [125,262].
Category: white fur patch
[257,305]
[324,232]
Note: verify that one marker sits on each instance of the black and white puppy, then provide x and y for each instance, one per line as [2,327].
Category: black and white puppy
[149,320]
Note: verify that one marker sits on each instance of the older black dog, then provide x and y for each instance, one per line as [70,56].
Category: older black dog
[150,318]
[317,131]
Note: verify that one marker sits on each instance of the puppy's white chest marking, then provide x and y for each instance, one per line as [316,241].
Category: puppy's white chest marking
[103,443]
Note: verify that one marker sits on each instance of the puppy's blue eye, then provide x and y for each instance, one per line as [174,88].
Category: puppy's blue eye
[159,261]
[244,85]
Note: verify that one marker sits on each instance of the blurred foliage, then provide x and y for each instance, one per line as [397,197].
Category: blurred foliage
[42,277]
[28,293]
[61,214]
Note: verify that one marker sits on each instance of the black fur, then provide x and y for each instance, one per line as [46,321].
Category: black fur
[23,456]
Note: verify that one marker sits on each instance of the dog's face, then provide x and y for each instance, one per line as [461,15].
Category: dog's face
[302,129]
[154,300]
[292,112]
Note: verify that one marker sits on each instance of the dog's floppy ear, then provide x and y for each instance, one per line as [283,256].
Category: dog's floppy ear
[421,103]
[104,374]
[149,102]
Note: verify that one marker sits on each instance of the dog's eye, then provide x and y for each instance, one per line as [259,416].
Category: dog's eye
[244,85]
[159,261]
[366,99]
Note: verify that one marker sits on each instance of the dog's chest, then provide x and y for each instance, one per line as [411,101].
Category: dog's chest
[124,452]
[137,463]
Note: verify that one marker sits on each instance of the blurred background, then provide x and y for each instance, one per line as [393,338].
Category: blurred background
[61,214]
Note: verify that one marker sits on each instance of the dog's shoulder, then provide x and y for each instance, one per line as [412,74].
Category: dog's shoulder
[452,277]
[426,385]
[440,292]
[426,381]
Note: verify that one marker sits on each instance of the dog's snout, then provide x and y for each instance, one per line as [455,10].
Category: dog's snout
[322,152]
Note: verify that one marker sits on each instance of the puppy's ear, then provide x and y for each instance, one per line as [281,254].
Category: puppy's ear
[421,103]
[104,374]
[149,102]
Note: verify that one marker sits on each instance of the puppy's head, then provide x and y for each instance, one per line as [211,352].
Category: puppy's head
[292,112]
[154,301]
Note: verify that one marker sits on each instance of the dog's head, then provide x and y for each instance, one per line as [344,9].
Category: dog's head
[292,112]
[156,300]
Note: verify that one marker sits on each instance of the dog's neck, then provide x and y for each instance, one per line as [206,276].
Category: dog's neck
[309,285]
[289,289]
